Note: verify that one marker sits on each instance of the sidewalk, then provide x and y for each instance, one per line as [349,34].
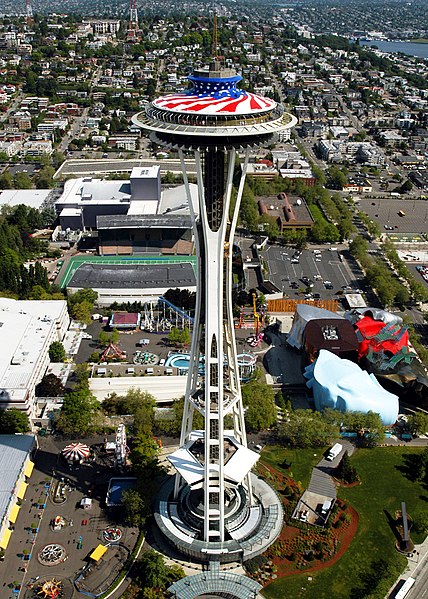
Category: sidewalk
[415,564]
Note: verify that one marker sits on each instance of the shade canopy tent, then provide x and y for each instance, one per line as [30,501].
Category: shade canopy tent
[98,552]
[4,541]
[76,452]
[13,514]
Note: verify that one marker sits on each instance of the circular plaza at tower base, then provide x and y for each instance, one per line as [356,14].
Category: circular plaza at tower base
[251,529]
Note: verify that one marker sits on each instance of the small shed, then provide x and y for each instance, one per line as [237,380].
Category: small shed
[86,503]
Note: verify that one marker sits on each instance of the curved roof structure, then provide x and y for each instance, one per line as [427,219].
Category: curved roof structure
[220,583]
[343,385]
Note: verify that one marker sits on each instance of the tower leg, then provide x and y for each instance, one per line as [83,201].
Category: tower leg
[213,331]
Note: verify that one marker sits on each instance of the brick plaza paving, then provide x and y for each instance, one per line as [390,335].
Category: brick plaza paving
[88,480]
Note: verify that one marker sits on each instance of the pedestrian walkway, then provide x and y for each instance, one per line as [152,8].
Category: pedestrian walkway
[321,483]
[416,568]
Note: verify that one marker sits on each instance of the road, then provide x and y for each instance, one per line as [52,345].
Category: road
[420,588]
[74,129]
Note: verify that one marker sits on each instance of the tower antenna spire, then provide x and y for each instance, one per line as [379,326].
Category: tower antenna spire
[214,49]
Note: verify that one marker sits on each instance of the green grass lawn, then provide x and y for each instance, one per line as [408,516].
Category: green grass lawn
[384,486]
[301,461]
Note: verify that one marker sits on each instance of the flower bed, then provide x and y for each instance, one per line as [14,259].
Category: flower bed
[302,547]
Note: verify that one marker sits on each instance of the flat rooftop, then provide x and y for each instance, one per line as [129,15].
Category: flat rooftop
[26,325]
[29,197]
[14,450]
[135,276]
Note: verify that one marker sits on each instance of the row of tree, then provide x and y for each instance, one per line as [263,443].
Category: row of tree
[306,428]
[17,245]
[388,286]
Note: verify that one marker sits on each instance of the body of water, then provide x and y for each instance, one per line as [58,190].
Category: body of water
[412,49]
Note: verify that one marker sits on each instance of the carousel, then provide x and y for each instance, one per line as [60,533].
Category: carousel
[50,589]
[76,453]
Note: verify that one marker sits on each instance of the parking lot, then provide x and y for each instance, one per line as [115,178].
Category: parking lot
[326,269]
[385,212]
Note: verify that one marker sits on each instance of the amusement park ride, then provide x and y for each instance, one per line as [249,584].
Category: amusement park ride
[253,319]
[168,315]
[49,589]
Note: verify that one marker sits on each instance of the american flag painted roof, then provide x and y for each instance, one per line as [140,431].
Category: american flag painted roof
[230,101]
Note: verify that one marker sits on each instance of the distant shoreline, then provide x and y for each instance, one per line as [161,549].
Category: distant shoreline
[410,48]
[419,40]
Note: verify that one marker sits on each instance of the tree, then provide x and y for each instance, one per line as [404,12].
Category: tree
[170,424]
[346,471]
[407,186]
[81,304]
[304,428]
[23,181]
[179,336]
[50,386]
[259,401]
[13,421]
[104,339]
[57,352]
[420,521]
[6,180]
[144,456]
[78,411]
[81,375]
[153,570]
[418,423]
[44,179]
[134,402]
[82,311]
[337,176]
[134,507]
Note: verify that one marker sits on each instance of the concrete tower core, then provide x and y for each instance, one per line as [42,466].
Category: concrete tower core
[216,509]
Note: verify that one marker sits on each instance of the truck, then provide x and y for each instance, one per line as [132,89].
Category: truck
[334,452]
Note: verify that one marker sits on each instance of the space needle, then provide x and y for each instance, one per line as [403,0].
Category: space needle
[215,508]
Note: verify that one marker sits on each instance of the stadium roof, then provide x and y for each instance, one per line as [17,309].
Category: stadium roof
[165,221]
[135,276]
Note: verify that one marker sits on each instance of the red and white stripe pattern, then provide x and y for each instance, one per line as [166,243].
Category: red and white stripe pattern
[246,103]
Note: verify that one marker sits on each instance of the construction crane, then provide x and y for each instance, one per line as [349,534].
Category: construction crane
[256,316]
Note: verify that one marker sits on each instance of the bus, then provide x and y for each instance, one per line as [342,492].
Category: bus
[402,593]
